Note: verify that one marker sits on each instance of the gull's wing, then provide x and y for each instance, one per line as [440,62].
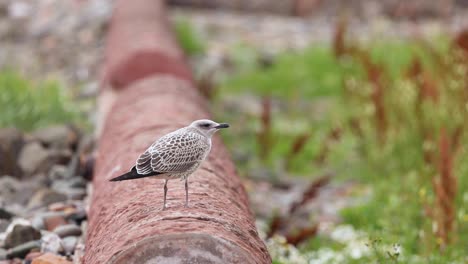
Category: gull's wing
[143,163]
[173,153]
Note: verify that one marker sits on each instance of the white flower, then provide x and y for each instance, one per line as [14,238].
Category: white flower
[345,234]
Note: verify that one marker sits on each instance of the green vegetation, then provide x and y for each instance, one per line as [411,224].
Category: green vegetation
[28,105]
[390,115]
[187,38]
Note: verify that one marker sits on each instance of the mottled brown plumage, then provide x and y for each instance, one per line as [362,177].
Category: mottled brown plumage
[175,155]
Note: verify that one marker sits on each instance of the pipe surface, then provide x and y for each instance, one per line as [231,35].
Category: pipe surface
[126,223]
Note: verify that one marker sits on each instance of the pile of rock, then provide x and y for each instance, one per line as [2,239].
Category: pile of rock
[44,179]
[63,37]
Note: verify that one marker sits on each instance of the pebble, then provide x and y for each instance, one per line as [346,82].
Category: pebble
[11,142]
[39,219]
[22,250]
[3,225]
[78,216]
[49,258]
[3,254]
[68,230]
[76,193]
[17,221]
[20,235]
[4,214]
[48,214]
[33,158]
[57,136]
[53,222]
[84,228]
[60,185]
[38,222]
[45,197]
[57,172]
[10,186]
[78,255]
[19,9]
[32,255]
[59,206]
[68,244]
[77,182]
[51,242]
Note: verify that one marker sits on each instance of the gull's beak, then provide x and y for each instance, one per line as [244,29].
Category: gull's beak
[222,125]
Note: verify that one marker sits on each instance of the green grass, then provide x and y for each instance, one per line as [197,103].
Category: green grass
[190,42]
[314,92]
[310,73]
[27,104]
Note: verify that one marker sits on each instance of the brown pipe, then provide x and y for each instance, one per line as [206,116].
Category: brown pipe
[282,7]
[126,223]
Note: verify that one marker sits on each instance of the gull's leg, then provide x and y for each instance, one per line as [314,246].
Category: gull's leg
[186,192]
[165,193]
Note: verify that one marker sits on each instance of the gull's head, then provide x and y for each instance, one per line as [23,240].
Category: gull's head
[208,127]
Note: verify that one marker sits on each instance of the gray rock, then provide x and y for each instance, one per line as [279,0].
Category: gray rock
[16,209]
[78,216]
[60,186]
[21,198]
[22,250]
[38,221]
[9,186]
[48,214]
[11,142]
[69,244]
[86,167]
[76,193]
[3,225]
[16,221]
[14,192]
[68,230]
[20,235]
[19,10]
[57,172]
[58,136]
[84,228]
[34,158]
[73,165]
[3,254]
[77,182]
[60,156]
[44,197]
[4,214]
[51,242]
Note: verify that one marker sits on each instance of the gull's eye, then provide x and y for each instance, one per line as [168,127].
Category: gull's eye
[205,125]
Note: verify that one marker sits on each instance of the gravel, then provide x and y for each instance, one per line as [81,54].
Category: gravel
[45,202]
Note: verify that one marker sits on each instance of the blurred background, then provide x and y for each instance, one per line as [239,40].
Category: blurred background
[348,121]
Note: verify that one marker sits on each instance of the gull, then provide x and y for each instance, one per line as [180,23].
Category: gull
[175,155]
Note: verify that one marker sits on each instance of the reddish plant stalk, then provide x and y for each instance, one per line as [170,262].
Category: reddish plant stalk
[445,188]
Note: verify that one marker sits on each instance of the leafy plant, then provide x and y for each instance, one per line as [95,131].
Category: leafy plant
[27,105]
[189,41]
[391,115]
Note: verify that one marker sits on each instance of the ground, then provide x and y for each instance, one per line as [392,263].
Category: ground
[240,60]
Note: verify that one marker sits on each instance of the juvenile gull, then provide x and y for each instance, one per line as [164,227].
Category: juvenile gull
[175,155]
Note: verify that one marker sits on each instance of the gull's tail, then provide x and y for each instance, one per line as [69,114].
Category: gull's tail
[132,174]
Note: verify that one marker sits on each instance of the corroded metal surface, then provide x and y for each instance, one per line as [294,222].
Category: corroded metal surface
[125,213]
[140,43]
